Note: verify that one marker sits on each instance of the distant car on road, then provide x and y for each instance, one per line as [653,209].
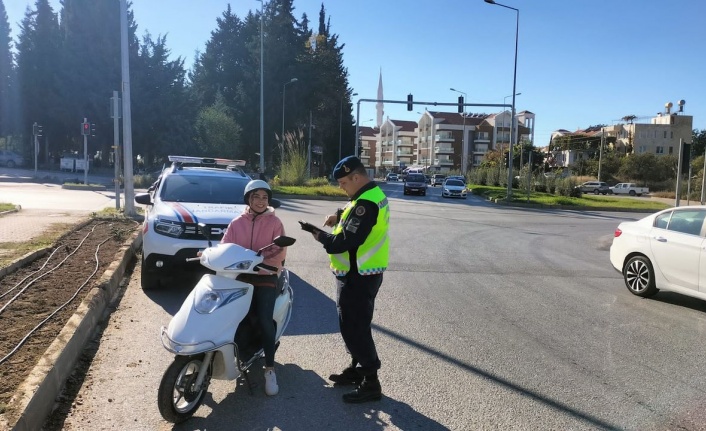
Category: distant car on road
[595,187]
[415,183]
[453,188]
[391,177]
[629,189]
[437,180]
[662,251]
[11,159]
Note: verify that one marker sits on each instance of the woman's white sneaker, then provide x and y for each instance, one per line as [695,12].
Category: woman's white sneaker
[271,387]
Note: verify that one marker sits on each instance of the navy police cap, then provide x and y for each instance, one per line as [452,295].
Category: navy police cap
[346,166]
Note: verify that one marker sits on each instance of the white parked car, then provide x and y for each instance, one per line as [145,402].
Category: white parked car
[663,251]
[192,190]
[453,188]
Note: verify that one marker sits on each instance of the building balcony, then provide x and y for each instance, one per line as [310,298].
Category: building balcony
[387,162]
[483,137]
[444,149]
[404,152]
[443,162]
[447,136]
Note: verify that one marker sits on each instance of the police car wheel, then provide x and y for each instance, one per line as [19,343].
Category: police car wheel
[149,281]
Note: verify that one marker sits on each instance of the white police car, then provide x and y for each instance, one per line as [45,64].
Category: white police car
[192,190]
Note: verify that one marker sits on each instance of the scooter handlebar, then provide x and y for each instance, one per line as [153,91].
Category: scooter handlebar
[192,259]
[265,266]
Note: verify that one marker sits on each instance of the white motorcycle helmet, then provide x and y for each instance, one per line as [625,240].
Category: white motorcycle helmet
[256,185]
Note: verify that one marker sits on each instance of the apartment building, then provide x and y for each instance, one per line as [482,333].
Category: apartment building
[368,143]
[440,141]
[659,135]
[395,146]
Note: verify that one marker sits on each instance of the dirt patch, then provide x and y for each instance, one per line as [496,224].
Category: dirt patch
[37,300]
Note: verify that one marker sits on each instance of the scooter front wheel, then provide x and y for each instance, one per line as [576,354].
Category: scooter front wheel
[178,399]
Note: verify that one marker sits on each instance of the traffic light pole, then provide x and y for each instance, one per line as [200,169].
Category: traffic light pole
[410,102]
[85,155]
[116,145]
[36,145]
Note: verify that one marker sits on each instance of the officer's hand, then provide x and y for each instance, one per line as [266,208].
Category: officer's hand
[330,220]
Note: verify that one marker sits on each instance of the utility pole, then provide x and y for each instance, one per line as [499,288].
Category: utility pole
[600,153]
[115,114]
[308,151]
[36,134]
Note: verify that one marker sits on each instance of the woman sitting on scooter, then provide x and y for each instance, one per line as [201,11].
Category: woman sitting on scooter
[255,228]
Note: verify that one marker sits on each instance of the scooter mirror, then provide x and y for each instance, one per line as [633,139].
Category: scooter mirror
[284,241]
[275,203]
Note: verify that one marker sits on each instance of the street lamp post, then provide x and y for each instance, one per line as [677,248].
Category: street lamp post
[262,91]
[464,144]
[514,93]
[284,95]
[340,126]
[505,102]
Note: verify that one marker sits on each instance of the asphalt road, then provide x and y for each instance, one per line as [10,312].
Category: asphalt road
[489,317]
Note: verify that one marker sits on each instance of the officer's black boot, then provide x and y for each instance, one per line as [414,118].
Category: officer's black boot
[368,390]
[349,376]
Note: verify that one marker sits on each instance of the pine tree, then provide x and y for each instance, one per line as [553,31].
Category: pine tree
[7,72]
[37,62]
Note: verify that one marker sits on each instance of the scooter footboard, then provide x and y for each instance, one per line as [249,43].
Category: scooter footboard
[224,366]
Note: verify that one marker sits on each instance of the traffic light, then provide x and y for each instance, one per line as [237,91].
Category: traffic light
[506,159]
[40,130]
[35,129]
[460,104]
[410,102]
[93,129]
[86,128]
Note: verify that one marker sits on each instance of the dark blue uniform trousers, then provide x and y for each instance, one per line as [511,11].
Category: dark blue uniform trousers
[355,300]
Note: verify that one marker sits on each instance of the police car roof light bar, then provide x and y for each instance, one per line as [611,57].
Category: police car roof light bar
[206,161]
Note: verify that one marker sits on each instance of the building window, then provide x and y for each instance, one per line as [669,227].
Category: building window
[641,149]
[671,135]
[660,150]
[665,134]
[671,150]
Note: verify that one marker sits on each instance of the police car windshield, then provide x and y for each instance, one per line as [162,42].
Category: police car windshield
[203,189]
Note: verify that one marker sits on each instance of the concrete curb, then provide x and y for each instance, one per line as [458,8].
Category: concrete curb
[314,198]
[35,398]
[569,207]
[89,188]
[16,209]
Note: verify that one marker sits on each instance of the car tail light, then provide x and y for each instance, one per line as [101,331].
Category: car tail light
[617,232]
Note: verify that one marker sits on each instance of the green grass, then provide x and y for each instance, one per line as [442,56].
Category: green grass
[586,201]
[6,207]
[324,190]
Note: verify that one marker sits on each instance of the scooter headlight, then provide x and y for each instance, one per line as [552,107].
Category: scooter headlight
[212,300]
[240,266]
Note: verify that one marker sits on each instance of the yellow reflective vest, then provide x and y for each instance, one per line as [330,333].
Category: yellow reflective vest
[372,255]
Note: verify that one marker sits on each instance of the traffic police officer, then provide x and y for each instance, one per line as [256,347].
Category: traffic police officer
[358,249]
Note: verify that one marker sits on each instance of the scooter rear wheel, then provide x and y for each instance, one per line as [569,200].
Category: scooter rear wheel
[177,399]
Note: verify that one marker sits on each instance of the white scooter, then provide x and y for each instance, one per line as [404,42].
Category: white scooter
[212,334]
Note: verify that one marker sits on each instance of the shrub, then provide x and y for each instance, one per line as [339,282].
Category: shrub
[293,169]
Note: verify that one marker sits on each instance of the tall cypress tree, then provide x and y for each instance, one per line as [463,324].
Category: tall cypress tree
[37,62]
[7,98]
[90,69]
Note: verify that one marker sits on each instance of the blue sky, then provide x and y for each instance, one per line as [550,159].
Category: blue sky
[580,62]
